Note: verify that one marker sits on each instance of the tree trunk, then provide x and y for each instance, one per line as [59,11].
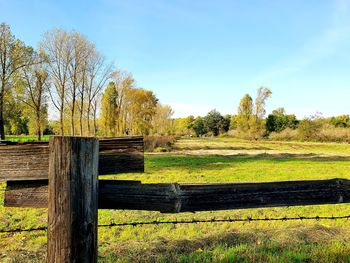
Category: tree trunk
[95,124]
[72,119]
[38,125]
[81,123]
[81,117]
[61,121]
[2,128]
[88,118]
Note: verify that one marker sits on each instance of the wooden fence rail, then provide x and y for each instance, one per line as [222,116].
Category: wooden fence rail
[176,198]
[30,161]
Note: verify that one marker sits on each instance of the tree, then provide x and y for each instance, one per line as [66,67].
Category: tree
[34,92]
[56,46]
[16,122]
[260,102]
[250,118]
[278,120]
[213,122]
[109,109]
[233,123]
[245,113]
[162,123]
[78,45]
[95,108]
[341,121]
[124,82]
[225,123]
[309,127]
[13,57]
[183,125]
[198,126]
[257,122]
[95,75]
[141,110]
[133,108]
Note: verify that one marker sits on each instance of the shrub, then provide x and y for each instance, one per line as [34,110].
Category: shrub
[324,134]
[286,135]
[331,134]
[159,143]
[309,128]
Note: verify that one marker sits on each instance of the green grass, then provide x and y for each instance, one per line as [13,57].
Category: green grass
[213,160]
[25,138]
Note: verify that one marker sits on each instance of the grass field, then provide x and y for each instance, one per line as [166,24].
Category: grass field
[213,160]
[24,138]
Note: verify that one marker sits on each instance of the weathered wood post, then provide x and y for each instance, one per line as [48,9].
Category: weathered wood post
[73,204]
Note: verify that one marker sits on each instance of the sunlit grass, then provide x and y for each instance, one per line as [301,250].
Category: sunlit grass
[221,160]
[25,138]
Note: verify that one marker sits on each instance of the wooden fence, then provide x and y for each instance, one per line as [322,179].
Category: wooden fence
[30,161]
[67,183]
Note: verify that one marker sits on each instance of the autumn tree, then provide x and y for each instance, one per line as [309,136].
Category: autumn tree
[183,125]
[109,109]
[141,109]
[245,113]
[16,121]
[95,107]
[125,83]
[257,124]
[34,91]
[250,118]
[162,123]
[13,57]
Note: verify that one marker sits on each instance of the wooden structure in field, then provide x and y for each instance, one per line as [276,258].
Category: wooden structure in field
[176,198]
[63,176]
[30,161]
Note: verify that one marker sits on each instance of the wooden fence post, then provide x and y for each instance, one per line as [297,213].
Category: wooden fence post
[73,193]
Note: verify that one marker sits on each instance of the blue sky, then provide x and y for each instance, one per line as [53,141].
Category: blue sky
[199,55]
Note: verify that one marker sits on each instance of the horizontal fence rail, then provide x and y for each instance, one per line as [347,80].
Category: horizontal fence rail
[176,198]
[30,161]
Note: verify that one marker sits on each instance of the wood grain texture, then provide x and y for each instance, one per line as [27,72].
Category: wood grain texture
[30,161]
[72,195]
[24,161]
[30,193]
[121,155]
[175,198]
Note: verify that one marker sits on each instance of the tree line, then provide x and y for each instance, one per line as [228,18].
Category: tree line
[66,74]
[251,122]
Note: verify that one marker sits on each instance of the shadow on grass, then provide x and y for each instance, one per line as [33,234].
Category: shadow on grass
[299,244]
